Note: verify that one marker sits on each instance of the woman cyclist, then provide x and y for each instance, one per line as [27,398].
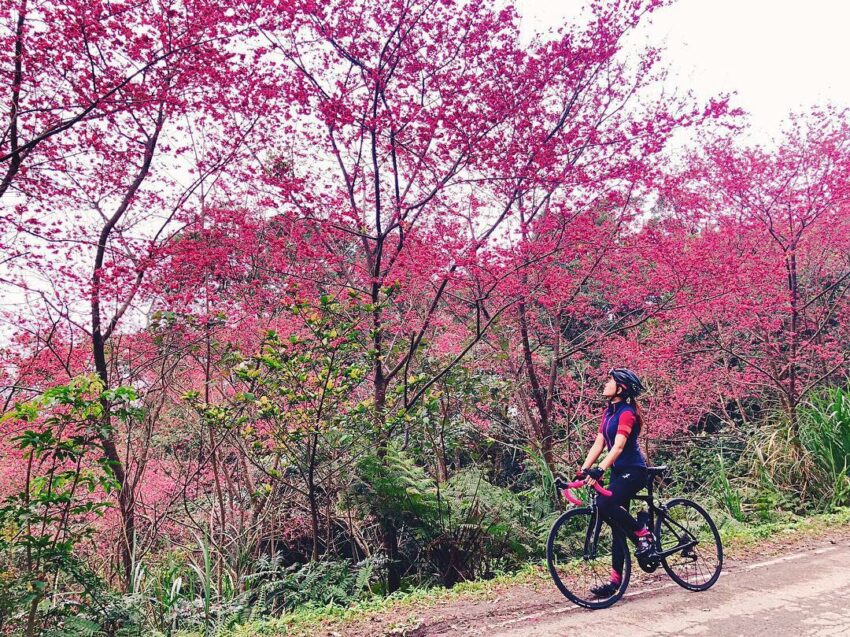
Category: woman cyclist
[618,434]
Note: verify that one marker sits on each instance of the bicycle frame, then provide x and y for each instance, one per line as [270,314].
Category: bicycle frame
[592,534]
[654,510]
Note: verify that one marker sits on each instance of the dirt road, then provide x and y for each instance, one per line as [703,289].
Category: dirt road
[786,585]
[805,593]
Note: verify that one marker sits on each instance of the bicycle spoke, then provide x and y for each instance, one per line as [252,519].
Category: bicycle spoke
[698,565]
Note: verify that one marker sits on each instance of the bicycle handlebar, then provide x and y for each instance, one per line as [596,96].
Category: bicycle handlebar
[577,484]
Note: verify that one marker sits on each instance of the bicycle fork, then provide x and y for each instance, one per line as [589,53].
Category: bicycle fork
[591,536]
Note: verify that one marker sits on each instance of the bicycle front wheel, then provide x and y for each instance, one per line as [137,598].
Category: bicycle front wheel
[688,531]
[581,551]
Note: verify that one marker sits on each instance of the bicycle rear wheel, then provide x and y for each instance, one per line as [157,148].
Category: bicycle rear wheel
[580,552]
[685,524]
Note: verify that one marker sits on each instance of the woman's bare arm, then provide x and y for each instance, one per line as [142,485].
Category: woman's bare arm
[616,450]
[595,451]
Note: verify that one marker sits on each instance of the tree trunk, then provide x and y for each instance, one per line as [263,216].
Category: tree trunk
[543,426]
[214,455]
[311,496]
[99,336]
[389,535]
[791,262]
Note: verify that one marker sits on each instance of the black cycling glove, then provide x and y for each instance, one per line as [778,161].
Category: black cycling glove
[595,472]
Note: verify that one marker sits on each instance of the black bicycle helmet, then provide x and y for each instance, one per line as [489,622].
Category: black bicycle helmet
[628,380]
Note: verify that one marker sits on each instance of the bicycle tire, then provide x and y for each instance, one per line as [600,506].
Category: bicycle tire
[575,524]
[702,575]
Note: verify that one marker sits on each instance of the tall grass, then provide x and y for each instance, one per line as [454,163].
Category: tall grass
[804,467]
[825,435]
[725,493]
[205,577]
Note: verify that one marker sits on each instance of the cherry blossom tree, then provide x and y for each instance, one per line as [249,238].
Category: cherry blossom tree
[773,256]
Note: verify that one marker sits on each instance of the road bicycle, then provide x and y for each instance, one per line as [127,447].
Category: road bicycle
[581,545]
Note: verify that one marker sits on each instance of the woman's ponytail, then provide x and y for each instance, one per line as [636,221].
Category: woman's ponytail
[639,420]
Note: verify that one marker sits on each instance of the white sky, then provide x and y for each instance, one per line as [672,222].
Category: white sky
[775,55]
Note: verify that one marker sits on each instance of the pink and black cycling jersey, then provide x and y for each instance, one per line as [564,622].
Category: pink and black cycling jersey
[621,418]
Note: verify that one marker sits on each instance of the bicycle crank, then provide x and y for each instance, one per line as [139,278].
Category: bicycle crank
[649,563]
